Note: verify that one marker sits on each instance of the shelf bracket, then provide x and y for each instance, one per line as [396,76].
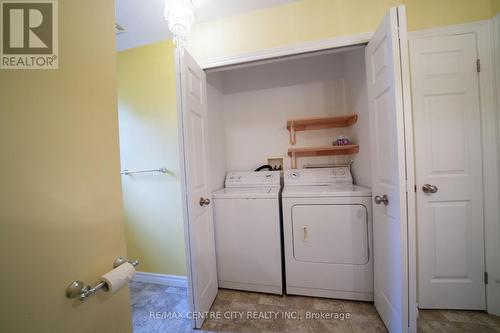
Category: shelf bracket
[294,160]
[292,134]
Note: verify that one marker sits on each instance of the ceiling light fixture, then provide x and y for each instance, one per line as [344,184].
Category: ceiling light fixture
[180,17]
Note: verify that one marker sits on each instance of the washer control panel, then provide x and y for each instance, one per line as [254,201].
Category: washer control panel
[318,176]
[253,179]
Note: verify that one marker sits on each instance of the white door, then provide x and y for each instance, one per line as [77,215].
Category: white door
[199,217]
[448,160]
[390,223]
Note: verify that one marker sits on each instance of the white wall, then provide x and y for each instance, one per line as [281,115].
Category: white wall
[258,100]
[357,99]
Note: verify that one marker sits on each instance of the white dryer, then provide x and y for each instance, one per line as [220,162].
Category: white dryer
[327,224]
[248,232]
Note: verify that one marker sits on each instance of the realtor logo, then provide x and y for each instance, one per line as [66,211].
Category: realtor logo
[29,38]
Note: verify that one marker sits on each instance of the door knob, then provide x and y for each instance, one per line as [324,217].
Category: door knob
[204,202]
[428,188]
[381,199]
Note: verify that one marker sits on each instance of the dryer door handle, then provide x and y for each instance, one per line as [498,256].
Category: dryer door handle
[304,234]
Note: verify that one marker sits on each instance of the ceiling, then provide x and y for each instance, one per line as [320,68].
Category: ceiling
[145,23]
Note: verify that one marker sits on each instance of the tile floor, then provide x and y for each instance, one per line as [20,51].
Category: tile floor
[457,321]
[148,298]
[238,311]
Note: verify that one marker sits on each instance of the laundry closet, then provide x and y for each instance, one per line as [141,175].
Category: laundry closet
[249,107]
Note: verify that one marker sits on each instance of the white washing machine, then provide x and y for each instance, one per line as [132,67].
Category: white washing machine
[247,232]
[327,224]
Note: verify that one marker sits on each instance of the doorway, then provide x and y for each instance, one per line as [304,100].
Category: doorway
[385,97]
[456,175]
[151,186]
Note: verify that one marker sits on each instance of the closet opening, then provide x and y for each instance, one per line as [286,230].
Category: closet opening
[306,114]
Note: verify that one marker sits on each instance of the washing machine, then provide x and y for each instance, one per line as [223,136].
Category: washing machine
[327,224]
[248,232]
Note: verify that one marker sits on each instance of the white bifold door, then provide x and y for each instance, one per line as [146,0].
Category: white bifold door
[198,215]
[445,85]
[384,65]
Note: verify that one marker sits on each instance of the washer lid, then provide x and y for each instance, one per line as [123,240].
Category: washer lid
[337,190]
[247,193]
[253,179]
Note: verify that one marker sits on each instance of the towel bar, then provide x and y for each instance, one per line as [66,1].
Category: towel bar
[129,172]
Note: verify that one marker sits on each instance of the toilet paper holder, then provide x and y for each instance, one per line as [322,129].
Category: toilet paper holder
[78,289]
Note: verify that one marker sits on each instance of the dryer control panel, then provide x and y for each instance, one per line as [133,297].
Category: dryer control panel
[319,176]
[253,179]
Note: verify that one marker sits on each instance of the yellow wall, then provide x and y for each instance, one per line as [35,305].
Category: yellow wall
[287,24]
[423,14]
[148,139]
[317,19]
[61,213]
[495,7]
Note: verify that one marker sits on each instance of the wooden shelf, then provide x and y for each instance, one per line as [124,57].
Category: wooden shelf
[294,153]
[316,123]
[323,151]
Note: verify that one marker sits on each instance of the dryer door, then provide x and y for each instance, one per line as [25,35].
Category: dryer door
[331,234]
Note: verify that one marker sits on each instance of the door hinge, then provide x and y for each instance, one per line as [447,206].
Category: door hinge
[415,188]
[485,277]
[478,65]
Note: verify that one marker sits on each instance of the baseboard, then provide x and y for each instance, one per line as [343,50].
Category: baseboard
[164,279]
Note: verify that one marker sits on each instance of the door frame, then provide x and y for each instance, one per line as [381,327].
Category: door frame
[286,50]
[489,121]
[239,59]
